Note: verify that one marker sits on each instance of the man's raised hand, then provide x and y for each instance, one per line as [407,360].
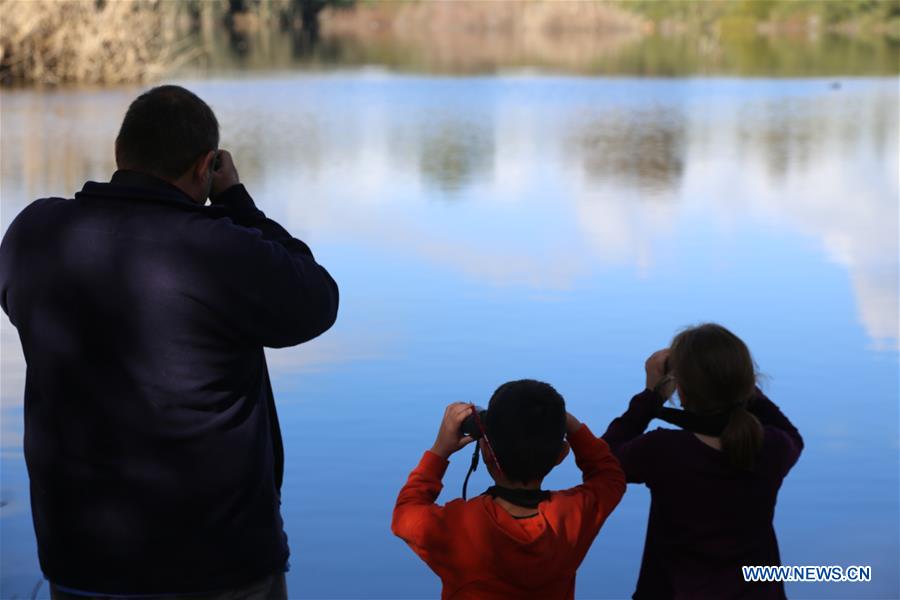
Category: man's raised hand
[225,175]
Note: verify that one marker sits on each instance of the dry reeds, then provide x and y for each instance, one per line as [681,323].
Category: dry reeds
[472,36]
[85,41]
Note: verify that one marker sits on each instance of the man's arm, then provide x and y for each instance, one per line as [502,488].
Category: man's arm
[20,239]
[272,287]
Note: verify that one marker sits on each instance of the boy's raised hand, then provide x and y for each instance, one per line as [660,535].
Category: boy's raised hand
[449,437]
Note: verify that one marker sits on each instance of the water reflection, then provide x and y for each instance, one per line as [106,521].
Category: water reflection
[583,209]
[645,150]
[825,166]
[454,153]
[558,189]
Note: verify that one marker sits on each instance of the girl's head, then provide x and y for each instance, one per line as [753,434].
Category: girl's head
[714,373]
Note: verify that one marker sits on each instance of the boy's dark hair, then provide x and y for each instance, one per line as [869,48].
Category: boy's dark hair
[526,424]
[165,131]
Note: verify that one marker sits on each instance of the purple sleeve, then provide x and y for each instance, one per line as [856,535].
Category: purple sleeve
[770,416]
[626,439]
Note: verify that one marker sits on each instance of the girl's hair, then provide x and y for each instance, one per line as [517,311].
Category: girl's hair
[715,373]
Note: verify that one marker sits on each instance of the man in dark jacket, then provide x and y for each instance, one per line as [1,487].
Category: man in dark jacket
[151,437]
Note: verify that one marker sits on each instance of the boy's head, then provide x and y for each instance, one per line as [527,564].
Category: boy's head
[526,424]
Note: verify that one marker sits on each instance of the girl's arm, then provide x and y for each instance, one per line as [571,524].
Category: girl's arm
[626,439]
[770,415]
[624,435]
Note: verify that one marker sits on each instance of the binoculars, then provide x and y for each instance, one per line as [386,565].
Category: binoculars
[473,425]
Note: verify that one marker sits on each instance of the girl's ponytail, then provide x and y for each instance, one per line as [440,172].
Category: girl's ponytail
[741,438]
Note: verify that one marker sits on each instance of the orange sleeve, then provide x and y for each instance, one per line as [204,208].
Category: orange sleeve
[418,521]
[604,480]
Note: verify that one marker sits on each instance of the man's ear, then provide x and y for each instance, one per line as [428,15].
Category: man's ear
[201,168]
[563,453]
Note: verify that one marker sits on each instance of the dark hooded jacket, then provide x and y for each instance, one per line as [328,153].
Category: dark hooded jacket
[151,438]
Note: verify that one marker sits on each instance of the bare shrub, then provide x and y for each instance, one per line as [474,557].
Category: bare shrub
[85,41]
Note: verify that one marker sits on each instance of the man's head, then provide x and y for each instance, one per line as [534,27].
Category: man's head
[171,133]
[526,424]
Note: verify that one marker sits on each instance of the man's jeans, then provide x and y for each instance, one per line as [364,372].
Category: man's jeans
[273,587]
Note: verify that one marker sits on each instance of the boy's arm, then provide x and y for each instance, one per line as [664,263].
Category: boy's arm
[603,477]
[417,520]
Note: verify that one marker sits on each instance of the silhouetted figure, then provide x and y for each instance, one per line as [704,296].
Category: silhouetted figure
[515,540]
[713,483]
[151,436]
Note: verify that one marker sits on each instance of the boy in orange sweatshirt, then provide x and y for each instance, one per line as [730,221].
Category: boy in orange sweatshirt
[515,540]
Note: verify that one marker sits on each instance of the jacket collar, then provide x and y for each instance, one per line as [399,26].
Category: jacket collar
[134,185]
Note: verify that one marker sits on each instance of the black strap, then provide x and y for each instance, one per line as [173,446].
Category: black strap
[518,496]
[705,424]
[472,467]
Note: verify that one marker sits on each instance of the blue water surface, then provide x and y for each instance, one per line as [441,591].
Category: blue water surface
[488,229]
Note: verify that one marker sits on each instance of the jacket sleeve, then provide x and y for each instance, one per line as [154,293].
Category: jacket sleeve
[417,520]
[769,414]
[20,238]
[8,258]
[602,476]
[625,436]
[265,282]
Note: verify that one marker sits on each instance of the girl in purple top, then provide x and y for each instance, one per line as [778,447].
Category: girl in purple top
[713,483]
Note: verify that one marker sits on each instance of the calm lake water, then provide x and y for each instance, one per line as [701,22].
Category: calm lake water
[562,228]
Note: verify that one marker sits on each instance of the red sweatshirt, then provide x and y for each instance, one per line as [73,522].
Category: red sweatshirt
[481,551]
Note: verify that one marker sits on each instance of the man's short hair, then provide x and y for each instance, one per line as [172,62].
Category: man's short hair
[165,131]
[526,424]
